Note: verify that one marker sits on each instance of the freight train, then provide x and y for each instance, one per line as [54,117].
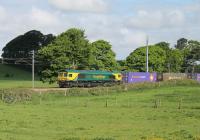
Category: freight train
[88,78]
[91,78]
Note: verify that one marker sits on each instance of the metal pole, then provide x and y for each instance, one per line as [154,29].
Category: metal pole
[147,55]
[33,69]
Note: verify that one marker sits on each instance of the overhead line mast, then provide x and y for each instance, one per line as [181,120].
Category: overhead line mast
[147,54]
[33,69]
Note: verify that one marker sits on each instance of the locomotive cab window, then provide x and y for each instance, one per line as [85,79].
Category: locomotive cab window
[70,75]
[65,74]
[60,74]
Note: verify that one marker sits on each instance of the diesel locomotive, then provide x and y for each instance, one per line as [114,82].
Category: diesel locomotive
[88,78]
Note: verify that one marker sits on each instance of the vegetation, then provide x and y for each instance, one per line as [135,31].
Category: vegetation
[12,72]
[165,113]
[72,50]
[15,77]
[136,61]
[21,46]
[103,58]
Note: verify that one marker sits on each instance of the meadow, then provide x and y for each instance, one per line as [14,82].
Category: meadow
[163,113]
[146,111]
[16,77]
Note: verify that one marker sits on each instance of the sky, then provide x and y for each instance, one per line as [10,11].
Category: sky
[124,23]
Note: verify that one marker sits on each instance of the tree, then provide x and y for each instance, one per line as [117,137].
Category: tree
[21,46]
[174,60]
[181,44]
[136,61]
[163,45]
[193,56]
[70,49]
[102,56]
[122,65]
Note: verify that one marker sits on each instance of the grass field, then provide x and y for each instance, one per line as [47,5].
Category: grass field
[24,84]
[165,113]
[14,77]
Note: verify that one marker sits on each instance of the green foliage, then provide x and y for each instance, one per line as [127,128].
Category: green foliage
[70,49]
[191,54]
[21,46]
[136,61]
[161,59]
[163,45]
[11,72]
[102,56]
[174,60]
[181,44]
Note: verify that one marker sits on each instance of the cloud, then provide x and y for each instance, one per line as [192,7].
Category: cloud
[2,13]
[131,37]
[195,7]
[43,18]
[124,29]
[157,19]
[80,5]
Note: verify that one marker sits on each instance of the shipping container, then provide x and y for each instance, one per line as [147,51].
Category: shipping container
[174,76]
[136,77]
[192,76]
[159,77]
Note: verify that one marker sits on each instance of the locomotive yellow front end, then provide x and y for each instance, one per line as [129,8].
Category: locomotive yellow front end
[64,78]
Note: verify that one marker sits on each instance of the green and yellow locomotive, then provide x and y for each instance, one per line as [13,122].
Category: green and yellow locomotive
[88,78]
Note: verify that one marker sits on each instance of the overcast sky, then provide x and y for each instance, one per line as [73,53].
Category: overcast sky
[124,23]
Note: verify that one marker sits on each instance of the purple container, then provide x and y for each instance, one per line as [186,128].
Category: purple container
[136,77]
[198,77]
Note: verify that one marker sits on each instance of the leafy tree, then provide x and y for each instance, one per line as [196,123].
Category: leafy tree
[102,56]
[122,65]
[193,55]
[136,61]
[174,60]
[70,49]
[21,46]
[181,44]
[164,45]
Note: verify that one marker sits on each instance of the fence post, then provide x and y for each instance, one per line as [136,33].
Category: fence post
[66,97]
[180,103]
[106,103]
[86,103]
[160,103]
[40,97]
[155,104]
[115,100]
[128,102]
[2,95]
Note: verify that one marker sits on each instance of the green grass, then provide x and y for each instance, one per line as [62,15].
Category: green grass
[131,115]
[14,77]
[10,72]
[24,84]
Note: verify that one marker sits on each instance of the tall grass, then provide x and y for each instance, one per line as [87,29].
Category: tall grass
[18,95]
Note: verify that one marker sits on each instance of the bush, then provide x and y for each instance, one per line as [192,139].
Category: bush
[13,96]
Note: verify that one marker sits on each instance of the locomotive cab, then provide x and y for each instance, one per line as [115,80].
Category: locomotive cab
[67,76]
[62,76]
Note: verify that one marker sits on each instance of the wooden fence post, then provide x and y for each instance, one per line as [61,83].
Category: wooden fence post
[40,97]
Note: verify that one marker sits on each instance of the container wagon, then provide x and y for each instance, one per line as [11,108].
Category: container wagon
[136,77]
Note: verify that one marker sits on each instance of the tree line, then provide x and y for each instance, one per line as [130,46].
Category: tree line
[72,50]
